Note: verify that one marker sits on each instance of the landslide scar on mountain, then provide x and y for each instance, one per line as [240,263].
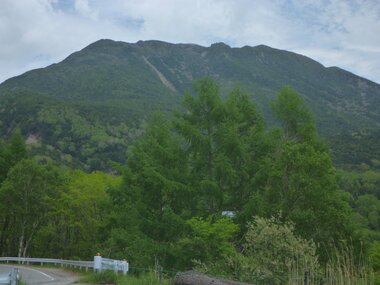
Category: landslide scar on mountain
[160,75]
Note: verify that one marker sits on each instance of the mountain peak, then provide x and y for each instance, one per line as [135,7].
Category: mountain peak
[101,43]
[111,82]
[153,43]
[155,70]
[220,45]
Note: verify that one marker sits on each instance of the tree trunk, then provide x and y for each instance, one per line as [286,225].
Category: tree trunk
[3,235]
[194,278]
[21,244]
[28,241]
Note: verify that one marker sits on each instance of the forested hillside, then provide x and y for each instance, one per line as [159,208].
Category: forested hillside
[86,109]
[210,188]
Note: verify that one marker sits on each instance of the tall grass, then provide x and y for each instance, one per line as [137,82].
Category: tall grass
[343,268]
[109,277]
[145,279]
[104,277]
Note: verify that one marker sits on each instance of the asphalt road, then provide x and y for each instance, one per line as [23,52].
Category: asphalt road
[37,275]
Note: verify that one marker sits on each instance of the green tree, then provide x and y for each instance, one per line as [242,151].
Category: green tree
[364,190]
[154,198]
[198,126]
[240,148]
[206,242]
[74,228]
[296,119]
[11,153]
[222,140]
[17,147]
[3,162]
[298,180]
[369,207]
[27,196]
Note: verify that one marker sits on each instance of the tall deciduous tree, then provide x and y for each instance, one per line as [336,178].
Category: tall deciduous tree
[27,196]
[10,154]
[74,226]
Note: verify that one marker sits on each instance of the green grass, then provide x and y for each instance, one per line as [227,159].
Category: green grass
[104,277]
[146,279]
[109,277]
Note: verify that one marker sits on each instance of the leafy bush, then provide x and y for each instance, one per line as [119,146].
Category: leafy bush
[208,241]
[273,248]
[271,254]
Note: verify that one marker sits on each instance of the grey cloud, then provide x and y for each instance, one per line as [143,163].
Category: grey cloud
[334,32]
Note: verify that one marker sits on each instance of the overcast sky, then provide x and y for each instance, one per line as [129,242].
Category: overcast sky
[344,33]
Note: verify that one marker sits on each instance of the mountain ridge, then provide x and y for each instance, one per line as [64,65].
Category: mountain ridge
[111,82]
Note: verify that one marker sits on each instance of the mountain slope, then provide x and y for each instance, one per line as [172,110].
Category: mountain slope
[110,87]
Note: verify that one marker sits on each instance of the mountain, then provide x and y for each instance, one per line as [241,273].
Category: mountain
[85,109]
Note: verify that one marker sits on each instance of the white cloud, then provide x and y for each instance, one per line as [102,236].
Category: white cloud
[346,35]
[343,33]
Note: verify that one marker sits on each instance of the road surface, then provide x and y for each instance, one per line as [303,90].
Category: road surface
[40,275]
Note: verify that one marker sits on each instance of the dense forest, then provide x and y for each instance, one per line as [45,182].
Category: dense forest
[86,110]
[210,187]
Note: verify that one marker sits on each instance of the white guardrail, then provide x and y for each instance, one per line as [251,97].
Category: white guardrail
[98,264]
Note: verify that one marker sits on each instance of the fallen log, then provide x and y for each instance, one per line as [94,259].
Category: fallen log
[196,278]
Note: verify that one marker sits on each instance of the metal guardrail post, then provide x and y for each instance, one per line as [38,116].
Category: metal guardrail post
[97,263]
[125,266]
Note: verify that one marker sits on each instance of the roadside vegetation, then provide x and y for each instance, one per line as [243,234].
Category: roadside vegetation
[109,277]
